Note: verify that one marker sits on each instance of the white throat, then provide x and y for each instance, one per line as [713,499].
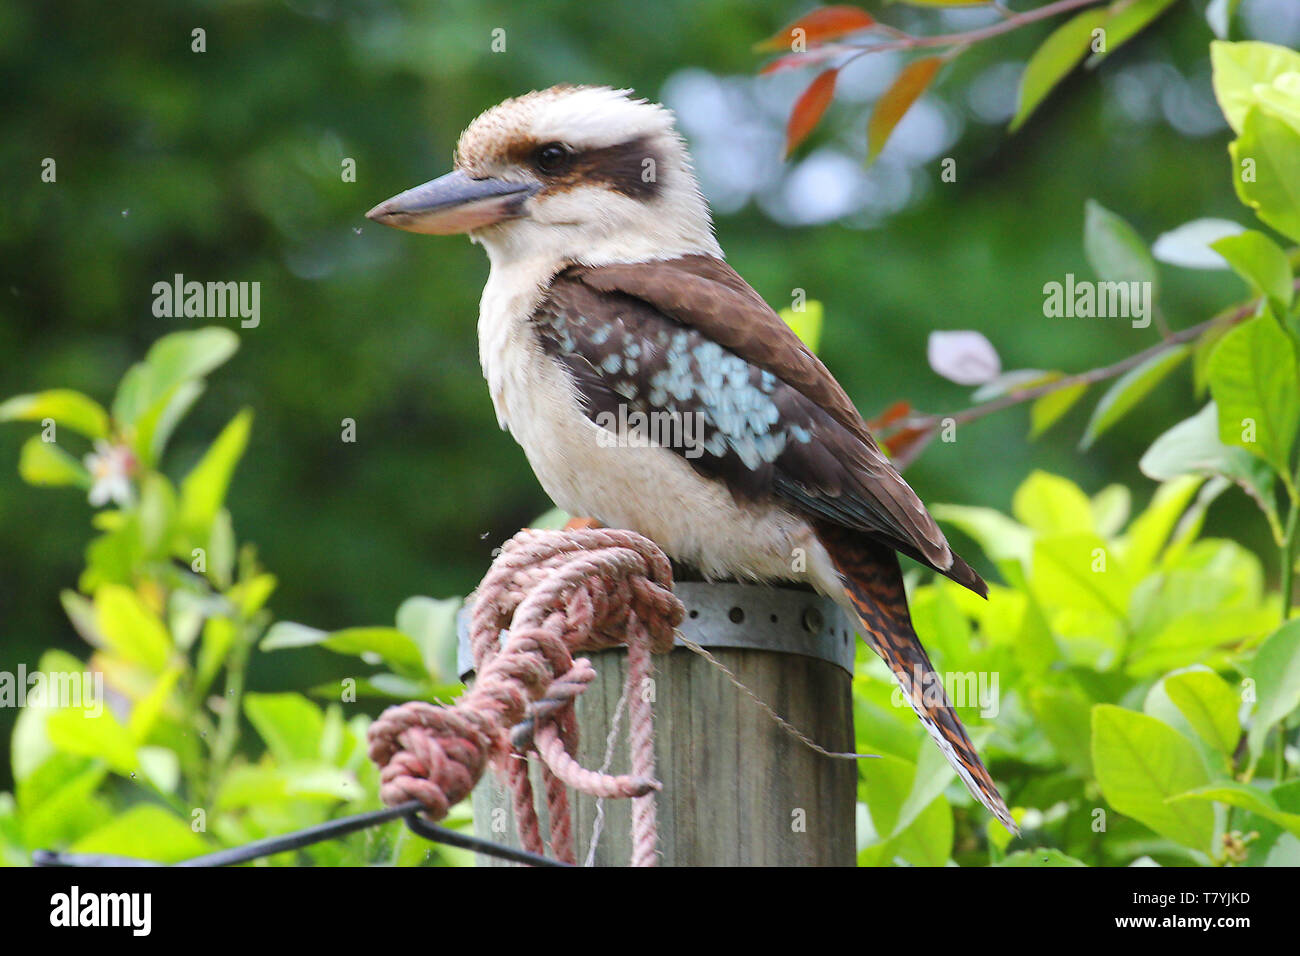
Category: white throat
[526,254]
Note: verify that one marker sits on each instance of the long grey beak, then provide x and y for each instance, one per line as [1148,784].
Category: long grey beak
[453,203]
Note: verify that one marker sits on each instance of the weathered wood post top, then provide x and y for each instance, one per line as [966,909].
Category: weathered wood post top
[738,790]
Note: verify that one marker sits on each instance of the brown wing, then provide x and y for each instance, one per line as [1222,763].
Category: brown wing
[839,475]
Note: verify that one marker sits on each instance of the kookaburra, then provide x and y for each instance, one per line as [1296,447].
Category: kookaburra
[608,295]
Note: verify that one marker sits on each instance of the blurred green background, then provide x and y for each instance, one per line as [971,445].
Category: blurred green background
[225,166]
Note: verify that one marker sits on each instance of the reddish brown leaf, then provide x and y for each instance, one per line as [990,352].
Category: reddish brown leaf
[824,23]
[809,108]
[900,409]
[907,87]
[904,439]
[582,524]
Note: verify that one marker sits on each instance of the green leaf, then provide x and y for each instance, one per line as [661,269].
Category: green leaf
[432,625]
[149,708]
[131,629]
[161,767]
[173,359]
[1191,638]
[1064,714]
[45,463]
[1110,509]
[1210,705]
[1276,670]
[920,834]
[1141,762]
[387,686]
[87,733]
[373,644]
[290,724]
[932,774]
[1262,263]
[156,425]
[134,395]
[145,832]
[927,840]
[1255,383]
[155,514]
[886,783]
[1204,350]
[288,634]
[186,355]
[1056,57]
[1114,249]
[1248,798]
[59,802]
[30,746]
[997,535]
[1129,389]
[203,490]
[806,322]
[1242,69]
[1126,22]
[263,786]
[1049,408]
[68,408]
[1149,532]
[1266,171]
[113,558]
[221,549]
[218,638]
[1079,571]
[81,614]
[251,594]
[1052,504]
[1193,447]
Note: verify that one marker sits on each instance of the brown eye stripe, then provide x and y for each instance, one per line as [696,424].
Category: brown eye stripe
[623,167]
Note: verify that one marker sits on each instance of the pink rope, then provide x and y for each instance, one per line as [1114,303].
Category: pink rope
[549,595]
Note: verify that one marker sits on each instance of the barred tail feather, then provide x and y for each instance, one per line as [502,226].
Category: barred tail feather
[873,583]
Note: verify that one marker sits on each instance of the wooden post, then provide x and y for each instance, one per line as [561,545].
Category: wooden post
[737,789]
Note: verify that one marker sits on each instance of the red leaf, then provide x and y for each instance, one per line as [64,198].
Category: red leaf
[900,441]
[900,409]
[809,108]
[907,87]
[824,23]
[582,524]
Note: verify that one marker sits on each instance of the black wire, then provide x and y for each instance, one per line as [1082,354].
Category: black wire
[58,858]
[439,834]
[301,838]
[329,830]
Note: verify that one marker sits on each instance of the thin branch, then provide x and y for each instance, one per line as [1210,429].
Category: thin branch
[1012,21]
[928,424]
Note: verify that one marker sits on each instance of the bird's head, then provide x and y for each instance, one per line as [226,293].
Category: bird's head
[569,174]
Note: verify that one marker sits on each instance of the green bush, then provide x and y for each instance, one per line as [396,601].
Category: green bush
[1146,678]
[172,606]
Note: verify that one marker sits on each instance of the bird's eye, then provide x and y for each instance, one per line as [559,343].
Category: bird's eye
[551,158]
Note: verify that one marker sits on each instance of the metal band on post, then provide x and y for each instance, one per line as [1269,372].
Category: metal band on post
[742,616]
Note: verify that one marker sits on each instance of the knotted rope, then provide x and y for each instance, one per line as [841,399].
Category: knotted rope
[554,594]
